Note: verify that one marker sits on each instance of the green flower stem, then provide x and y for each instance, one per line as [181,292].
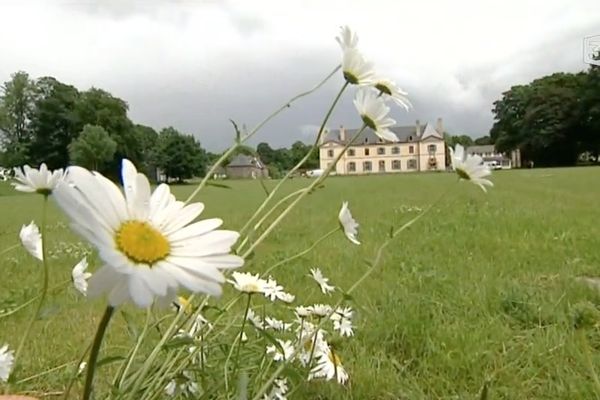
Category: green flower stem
[118,381]
[44,292]
[303,252]
[256,129]
[10,248]
[241,343]
[314,343]
[76,373]
[91,367]
[61,285]
[302,195]
[374,265]
[298,165]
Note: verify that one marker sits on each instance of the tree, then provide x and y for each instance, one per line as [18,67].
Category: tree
[265,152]
[98,107]
[16,108]
[54,123]
[484,140]
[179,156]
[147,139]
[543,119]
[463,140]
[93,148]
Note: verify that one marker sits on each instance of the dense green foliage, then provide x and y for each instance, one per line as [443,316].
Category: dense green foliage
[41,120]
[552,120]
[281,160]
[93,148]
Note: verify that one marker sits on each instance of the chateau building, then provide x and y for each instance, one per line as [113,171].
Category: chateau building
[420,148]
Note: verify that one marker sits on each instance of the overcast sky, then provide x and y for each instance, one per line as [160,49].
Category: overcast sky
[196,64]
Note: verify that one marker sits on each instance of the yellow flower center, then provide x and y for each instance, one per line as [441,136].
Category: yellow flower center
[462,173]
[334,358]
[141,242]
[369,122]
[250,288]
[383,89]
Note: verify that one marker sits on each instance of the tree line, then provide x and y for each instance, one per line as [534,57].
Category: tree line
[45,120]
[553,121]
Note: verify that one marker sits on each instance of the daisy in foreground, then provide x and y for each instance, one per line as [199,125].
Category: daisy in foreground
[80,277]
[329,366]
[6,363]
[348,223]
[32,240]
[317,275]
[374,113]
[148,241]
[470,167]
[41,181]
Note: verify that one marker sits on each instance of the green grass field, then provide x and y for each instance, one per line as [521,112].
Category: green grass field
[480,290]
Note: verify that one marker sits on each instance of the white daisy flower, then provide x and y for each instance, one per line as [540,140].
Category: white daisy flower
[389,89]
[278,390]
[347,38]
[171,388]
[255,319]
[329,366]
[277,324]
[81,367]
[7,360]
[286,297]
[308,336]
[199,323]
[470,167]
[303,312]
[286,346]
[374,113]
[185,385]
[39,181]
[357,70]
[343,326]
[317,275]
[147,240]
[80,277]
[272,289]
[320,310]
[348,223]
[32,240]
[247,283]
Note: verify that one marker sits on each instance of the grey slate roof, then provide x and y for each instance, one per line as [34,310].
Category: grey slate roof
[488,148]
[243,160]
[404,133]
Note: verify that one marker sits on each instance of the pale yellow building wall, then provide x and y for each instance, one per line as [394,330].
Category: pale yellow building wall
[419,156]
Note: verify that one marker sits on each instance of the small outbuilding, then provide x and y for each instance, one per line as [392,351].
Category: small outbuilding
[246,167]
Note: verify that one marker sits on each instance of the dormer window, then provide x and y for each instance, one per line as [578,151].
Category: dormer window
[410,138]
[366,140]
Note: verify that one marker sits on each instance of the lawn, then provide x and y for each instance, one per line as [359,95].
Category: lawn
[480,291]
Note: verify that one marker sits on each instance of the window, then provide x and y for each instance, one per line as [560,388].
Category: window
[395,150]
[366,152]
[411,149]
[396,164]
[366,140]
[382,166]
[330,153]
[352,166]
[411,164]
[410,138]
[431,148]
[367,166]
[351,152]
[381,150]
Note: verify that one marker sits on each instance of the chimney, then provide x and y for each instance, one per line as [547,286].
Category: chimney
[418,126]
[342,133]
[439,126]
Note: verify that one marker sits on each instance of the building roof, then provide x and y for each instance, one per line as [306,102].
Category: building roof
[405,134]
[488,148]
[243,160]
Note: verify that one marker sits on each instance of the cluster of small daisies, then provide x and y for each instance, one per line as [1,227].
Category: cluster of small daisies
[304,338]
